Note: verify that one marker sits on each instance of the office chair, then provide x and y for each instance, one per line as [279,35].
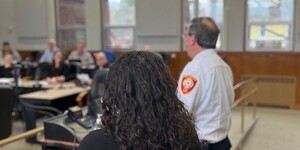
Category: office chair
[75,66]
[7,103]
[97,89]
[96,93]
[42,71]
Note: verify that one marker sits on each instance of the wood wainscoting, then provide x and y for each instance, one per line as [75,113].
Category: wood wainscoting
[259,63]
[242,63]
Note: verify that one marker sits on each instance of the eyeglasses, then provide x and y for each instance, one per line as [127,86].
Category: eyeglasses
[186,34]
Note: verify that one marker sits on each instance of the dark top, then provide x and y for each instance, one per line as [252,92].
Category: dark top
[6,72]
[64,70]
[99,140]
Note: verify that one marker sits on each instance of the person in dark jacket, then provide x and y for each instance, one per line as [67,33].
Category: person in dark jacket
[59,71]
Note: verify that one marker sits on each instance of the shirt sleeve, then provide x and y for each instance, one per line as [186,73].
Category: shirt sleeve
[189,90]
[42,59]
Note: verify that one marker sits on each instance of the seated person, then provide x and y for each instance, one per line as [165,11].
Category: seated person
[59,71]
[48,53]
[102,63]
[6,49]
[6,71]
[87,61]
[141,109]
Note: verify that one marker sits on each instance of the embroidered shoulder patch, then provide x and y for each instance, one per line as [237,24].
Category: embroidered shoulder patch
[188,83]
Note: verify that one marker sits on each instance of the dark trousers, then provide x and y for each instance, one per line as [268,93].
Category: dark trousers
[222,145]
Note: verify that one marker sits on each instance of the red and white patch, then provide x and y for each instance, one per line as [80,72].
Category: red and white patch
[188,83]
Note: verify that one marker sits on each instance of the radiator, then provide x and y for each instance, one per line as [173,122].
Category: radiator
[273,90]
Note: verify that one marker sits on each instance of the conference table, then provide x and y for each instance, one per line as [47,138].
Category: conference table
[59,96]
[45,85]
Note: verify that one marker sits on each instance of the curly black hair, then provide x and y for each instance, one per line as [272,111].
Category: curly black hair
[141,109]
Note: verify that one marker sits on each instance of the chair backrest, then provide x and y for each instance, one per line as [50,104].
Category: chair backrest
[97,92]
[42,71]
[7,99]
[74,68]
[99,78]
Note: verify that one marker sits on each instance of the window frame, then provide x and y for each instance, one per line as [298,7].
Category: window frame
[196,12]
[60,27]
[105,28]
[291,38]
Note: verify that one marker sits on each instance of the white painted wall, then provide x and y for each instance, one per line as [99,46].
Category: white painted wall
[34,23]
[234,25]
[158,23]
[7,22]
[27,24]
[93,24]
[297,27]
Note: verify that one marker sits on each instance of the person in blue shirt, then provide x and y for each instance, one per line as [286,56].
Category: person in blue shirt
[48,53]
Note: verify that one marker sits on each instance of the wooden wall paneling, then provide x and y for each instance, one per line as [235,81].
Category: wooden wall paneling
[297,69]
[269,63]
[260,63]
[119,53]
[272,63]
[177,62]
[235,61]
[25,54]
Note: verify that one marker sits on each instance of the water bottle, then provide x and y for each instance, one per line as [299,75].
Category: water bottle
[98,122]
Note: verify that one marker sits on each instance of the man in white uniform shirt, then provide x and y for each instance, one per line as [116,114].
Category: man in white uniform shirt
[206,85]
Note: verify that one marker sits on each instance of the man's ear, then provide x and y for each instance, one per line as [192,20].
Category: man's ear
[194,39]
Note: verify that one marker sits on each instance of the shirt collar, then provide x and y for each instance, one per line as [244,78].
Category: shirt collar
[81,53]
[204,53]
[52,50]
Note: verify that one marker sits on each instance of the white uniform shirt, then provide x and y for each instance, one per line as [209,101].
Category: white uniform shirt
[206,89]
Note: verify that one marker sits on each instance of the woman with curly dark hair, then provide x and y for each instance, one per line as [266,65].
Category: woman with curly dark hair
[141,109]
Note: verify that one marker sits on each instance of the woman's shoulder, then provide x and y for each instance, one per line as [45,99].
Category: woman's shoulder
[98,140]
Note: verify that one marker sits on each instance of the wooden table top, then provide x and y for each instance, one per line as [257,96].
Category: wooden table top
[31,83]
[53,94]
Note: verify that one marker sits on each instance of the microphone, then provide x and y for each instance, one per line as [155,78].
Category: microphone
[36,78]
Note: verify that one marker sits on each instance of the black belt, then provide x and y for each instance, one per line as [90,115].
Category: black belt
[222,145]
